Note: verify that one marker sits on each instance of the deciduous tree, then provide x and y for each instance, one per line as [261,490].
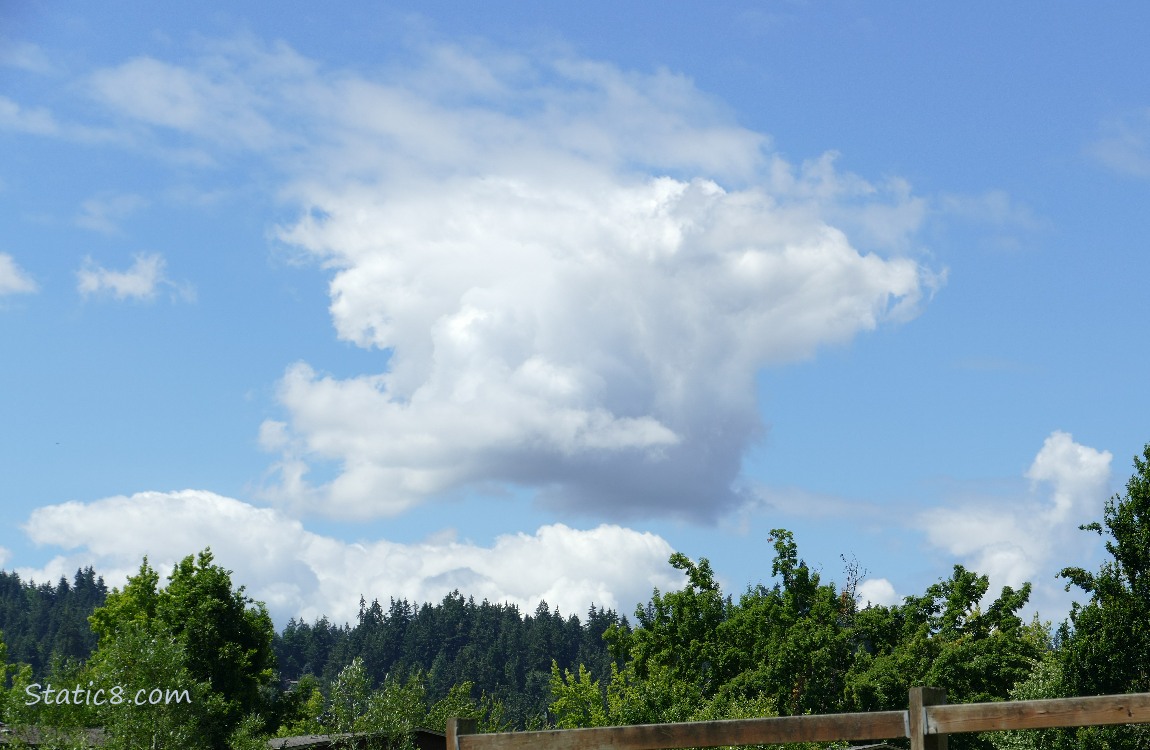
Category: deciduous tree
[1106,642]
[224,637]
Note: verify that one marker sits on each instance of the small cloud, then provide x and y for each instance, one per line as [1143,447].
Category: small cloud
[1124,145]
[13,280]
[38,121]
[1000,222]
[103,213]
[24,56]
[800,503]
[994,207]
[141,281]
[273,435]
[1027,538]
[15,117]
[876,591]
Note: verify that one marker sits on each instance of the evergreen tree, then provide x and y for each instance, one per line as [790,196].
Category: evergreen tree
[46,622]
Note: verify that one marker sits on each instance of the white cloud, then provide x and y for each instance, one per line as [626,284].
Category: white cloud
[577,270]
[1124,145]
[23,56]
[1078,475]
[1023,539]
[995,207]
[302,574]
[13,279]
[799,503]
[37,121]
[220,101]
[562,313]
[141,281]
[40,121]
[102,213]
[544,332]
[876,591]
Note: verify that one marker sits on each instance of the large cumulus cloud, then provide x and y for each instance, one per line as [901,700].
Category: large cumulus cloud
[573,273]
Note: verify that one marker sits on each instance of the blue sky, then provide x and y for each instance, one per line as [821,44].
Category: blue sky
[391,299]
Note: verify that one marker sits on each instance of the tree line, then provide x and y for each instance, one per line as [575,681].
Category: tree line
[46,622]
[494,647]
[799,645]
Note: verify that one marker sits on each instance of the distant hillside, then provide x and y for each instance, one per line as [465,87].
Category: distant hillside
[503,652]
[42,622]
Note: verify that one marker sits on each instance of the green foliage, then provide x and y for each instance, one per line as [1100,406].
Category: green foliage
[349,697]
[802,646]
[210,635]
[43,623]
[135,604]
[66,686]
[5,672]
[656,698]
[249,734]
[1106,643]
[488,711]
[391,713]
[943,639]
[784,649]
[505,655]
[227,636]
[576,699]
[1045,681]
[677,630]
[302,708]
[146,657]
[16,710]
[791,641]
[797,646]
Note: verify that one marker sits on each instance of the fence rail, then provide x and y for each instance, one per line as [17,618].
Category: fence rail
[1056,712]
[927,722]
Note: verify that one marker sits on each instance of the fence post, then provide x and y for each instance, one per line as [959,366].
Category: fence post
[920,697]
[456,727]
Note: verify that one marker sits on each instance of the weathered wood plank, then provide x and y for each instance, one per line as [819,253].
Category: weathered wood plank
[919,699]
[457,728]
[877,725]
[1133,708]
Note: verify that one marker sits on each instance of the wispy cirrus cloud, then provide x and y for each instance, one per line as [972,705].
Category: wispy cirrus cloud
[33,120]
[25,56]
[1123,145]
[993,207]
[103,213]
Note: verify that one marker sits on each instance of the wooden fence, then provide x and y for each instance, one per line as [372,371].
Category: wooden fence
[927,721]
